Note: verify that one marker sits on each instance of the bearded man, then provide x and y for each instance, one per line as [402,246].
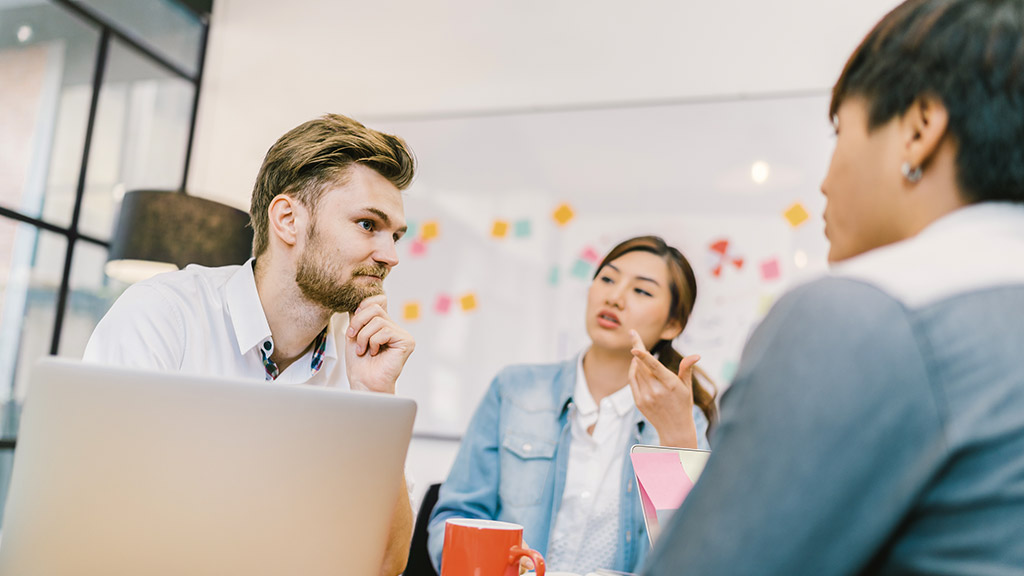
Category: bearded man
[309,307]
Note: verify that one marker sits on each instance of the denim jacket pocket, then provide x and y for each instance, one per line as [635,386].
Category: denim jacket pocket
[525,466]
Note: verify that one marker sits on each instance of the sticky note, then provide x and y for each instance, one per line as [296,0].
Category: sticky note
[663,478]
[418,247]
[431,230]
[590,255]
[765,304]
[499,229]
[410,229]
[729,370]
[442,304]
[523,228]
[563,214]
[411,310]
[553,276]
[770,269]
[796,214]
[468,302]
[582,269]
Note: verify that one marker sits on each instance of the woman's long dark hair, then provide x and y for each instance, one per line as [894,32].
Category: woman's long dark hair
[683,287]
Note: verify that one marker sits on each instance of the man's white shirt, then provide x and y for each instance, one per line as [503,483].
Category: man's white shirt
[205,321]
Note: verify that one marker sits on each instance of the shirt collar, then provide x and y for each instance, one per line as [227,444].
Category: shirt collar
[246,310]
[622,400]
[250,322]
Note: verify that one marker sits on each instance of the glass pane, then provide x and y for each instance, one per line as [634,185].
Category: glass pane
[139,138]
[47,61]
[164,26]
[31,265]
[92,294]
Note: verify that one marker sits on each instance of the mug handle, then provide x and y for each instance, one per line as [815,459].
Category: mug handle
[517,552]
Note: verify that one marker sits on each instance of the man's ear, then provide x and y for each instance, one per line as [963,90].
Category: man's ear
[924,127]
[285,217]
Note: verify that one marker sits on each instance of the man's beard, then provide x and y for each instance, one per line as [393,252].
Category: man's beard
[317,279]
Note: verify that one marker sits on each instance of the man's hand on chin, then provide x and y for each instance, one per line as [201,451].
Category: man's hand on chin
[375,347]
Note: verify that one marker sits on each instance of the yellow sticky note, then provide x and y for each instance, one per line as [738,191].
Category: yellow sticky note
[563,214]
[500,229]
[765,304]
[468,302]
[796,214]
[430,230]
[411,310]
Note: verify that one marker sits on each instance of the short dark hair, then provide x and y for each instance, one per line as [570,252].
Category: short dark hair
[320,152]
[970,55]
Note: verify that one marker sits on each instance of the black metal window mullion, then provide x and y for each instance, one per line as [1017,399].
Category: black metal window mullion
[88,14]
[195,104]
[72,233]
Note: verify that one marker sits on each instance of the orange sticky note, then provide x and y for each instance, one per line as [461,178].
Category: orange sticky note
[411,310]
[563,214]
[500,229]
[468,302]
[430,230]
[796,214]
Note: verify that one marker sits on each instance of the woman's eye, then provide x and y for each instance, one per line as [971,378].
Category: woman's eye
[606,279]
[642,291]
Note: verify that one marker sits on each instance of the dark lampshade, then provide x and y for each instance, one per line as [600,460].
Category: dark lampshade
[160,231]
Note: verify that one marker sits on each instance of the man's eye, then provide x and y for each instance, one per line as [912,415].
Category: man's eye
[366,225]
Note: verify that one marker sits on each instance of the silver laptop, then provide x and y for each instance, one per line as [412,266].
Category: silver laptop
[687,471]
[121,472]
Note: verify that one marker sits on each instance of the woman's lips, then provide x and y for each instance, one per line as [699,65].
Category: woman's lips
[608,320]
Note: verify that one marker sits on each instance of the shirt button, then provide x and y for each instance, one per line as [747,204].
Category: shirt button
[267,345]
[527,447]
[629,536]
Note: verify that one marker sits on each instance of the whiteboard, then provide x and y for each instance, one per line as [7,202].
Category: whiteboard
[491,274]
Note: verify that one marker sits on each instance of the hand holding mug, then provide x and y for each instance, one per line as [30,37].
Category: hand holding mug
[485,548]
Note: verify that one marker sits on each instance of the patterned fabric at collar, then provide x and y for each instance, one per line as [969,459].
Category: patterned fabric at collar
[319,347]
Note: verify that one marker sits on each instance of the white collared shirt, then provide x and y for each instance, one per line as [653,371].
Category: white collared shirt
[586,529]
[205,321]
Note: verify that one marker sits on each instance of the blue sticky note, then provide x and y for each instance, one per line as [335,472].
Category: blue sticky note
[522,228]
[729,370]
[553,276]
[411,229]
[581,269]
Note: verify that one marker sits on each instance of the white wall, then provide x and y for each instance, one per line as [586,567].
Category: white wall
[271,65]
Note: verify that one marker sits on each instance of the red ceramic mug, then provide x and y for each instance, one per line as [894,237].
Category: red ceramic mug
[485,548]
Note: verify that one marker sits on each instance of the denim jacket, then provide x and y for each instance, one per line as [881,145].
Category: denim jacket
[512,463]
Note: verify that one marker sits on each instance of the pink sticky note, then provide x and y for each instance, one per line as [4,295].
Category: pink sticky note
[770,269]
[650,512]
[663,478]
[442,304]
[590,255]
[418,248]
